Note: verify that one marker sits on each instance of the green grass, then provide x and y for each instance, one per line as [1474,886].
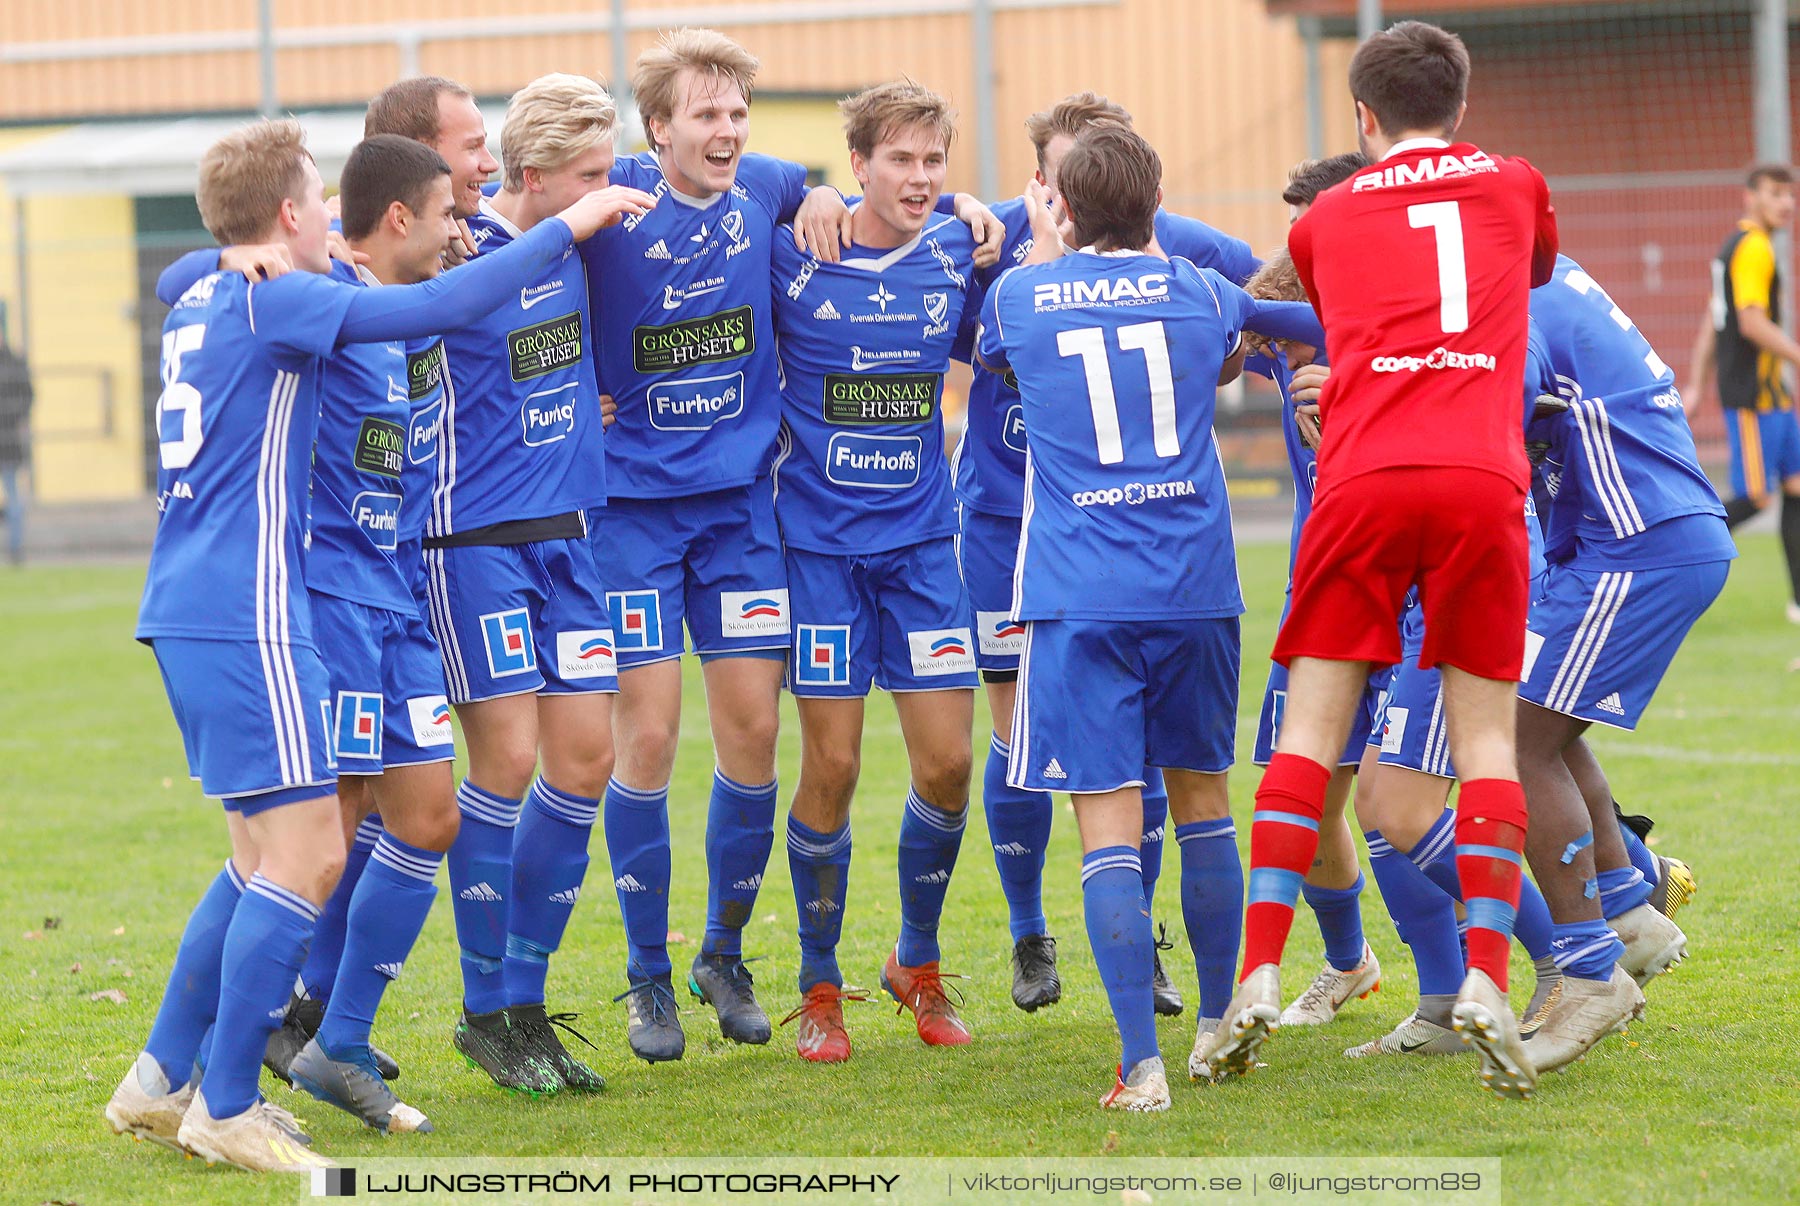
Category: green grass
[100,828]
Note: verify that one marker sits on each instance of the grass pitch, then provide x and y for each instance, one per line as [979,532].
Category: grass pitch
[105,845]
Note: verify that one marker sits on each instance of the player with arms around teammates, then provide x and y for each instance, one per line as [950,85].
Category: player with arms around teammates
[867,516]
[989,472]
[516,599]
[681,307]
[1420,267]
[238,414]
[1127,578]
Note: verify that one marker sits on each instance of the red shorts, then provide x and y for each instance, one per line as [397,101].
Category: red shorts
[1457,534]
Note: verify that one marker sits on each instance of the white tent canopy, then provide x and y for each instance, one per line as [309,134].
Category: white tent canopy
[161,158]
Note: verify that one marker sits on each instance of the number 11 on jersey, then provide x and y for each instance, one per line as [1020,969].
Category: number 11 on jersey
[1089,343]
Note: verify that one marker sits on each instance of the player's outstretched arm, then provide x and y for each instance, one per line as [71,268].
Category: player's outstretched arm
[988,230]
[822,224]
[1048,229]
[1291,320]
[456,299]
[1700,366]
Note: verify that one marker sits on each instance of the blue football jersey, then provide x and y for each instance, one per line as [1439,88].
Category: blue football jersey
[235,426]
[1624,459]
[864,345]
[521,427]
[359,472]
[681,308]
[1126,515]
[989,467]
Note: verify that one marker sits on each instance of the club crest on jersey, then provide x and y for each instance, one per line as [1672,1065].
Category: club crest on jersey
[732,226]
[937,309]
[753,613]
[358,725]
[549,415]
[636,619]
[430,716]
[507,635]
[697,404]
[377,515]
[1012,428]
[940,651]
[425,433]
[999,633]
[822,654]
[874,462]
[586,653]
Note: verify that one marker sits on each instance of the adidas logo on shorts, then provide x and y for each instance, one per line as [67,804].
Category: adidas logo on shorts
[629,883]
[390,970]
[658,250]
[1612,703]
[827,311]
[482,892]
[1016,849]
[567,896]
[1055,770]
[748,885]
[822,906]
[940,876]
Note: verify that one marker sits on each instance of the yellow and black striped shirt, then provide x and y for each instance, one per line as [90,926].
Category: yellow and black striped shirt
[1745,274]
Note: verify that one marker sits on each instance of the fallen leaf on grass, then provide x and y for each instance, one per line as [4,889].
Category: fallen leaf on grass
[32,935]
[118,931]
[1134,1197]
[53,923]
[676,938]
[74,968]
[769,920]
[108,994]
[1112,1142]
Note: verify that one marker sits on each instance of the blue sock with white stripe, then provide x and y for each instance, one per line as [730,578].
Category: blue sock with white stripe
[637,841]
[480,882]
[189,1002]
[1018,824]
[1588,949]
[929,841]
[1423,915]
[1340,922]
[1150,845]
[550,860]
[1212,906]
[319,974]
[1621,890]
[1640,856]
[1118,927]
[264,948]
[740,832]
[1532,925]
[389,909]
[819,864]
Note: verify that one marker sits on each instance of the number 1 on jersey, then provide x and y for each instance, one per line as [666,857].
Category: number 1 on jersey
[1445,220]
[1089,343]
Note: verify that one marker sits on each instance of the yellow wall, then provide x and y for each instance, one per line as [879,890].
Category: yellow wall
[806,130]
[83,298]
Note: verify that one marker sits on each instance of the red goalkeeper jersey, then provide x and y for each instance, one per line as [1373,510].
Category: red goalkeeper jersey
[1420,267]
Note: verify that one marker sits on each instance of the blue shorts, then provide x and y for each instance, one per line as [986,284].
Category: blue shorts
[1101,700]
[1411,733]
[389,707]
[1765,449]
[897,619]
[1274,704]
[988,550]
[515,619]
[712,561]
[1598,643]
[255,719]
